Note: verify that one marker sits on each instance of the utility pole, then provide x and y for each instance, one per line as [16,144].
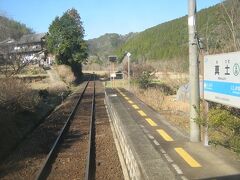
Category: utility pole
[193,73]
[128,55]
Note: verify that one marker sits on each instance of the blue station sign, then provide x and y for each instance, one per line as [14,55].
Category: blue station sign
[222,78]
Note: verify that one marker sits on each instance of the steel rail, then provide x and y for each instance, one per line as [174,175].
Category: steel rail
[44,171]
[91,165]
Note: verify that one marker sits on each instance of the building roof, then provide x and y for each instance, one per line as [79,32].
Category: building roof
[7,41]
[6,45]
[31,38]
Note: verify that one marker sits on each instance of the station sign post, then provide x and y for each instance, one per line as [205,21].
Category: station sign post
[112,60]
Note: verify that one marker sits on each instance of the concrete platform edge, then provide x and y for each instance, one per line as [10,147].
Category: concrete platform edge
[142,160]
[117,144]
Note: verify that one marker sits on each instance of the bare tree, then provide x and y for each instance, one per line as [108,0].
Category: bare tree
[231,13]
[11,63]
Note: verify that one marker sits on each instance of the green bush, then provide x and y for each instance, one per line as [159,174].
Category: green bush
[224,128]
[143,74]
[145,79]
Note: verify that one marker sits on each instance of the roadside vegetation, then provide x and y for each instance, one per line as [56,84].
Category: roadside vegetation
[25,100]
[66,74]
[28,93]
[23,105]
[224,125]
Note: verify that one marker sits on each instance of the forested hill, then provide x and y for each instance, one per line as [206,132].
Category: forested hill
[12,29]
[170,40]
[107,44]
[163,41]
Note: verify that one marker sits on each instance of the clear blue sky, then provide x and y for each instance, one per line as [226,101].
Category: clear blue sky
[99,16]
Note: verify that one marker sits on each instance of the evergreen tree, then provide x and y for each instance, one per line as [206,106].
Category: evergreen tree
[65,40]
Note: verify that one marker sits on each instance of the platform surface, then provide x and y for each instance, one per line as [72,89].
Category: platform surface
[186,159]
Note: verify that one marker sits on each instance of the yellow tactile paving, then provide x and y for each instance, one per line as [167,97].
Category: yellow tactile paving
[151,122]
[135,106]
[121,93]
[164,135]
[187,157]
[142,113]
[130,102]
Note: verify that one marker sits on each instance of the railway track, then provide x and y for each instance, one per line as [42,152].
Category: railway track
[72,155]
[69,160]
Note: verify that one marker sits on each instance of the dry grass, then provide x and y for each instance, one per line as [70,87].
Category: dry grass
[170,103]
[32,70]
[57,88]
[173,65]
[21,108]
[156,99]
[174,81]
[41,85]
[153,97]
[175,112]
[16,96]
[53,88]
[66,74]
[179,120]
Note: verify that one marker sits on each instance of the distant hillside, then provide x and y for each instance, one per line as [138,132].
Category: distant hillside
[170,40]
[107,44]
[12,29]
[163,41]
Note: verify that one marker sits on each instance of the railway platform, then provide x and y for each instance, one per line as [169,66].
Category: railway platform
[155,149]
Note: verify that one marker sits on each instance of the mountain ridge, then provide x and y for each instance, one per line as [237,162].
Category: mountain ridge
[12,29]
[169,40]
